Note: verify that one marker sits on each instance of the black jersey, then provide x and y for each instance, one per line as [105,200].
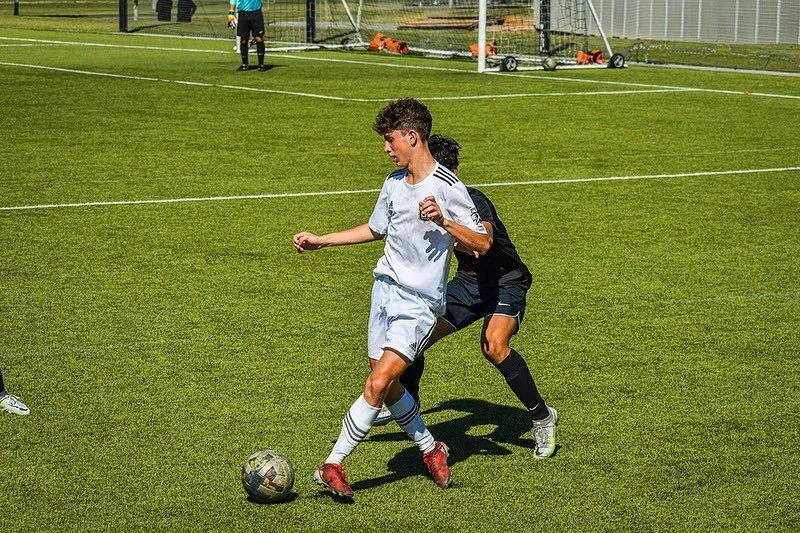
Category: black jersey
[501,264]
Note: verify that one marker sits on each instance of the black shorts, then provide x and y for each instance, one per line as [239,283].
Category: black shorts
[250,22]
[467,302]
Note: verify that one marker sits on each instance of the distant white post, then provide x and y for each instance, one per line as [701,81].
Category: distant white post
[481,35]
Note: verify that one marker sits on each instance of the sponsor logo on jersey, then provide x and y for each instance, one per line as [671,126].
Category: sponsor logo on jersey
[476,218]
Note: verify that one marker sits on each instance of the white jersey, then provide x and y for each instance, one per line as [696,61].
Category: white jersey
[417,252]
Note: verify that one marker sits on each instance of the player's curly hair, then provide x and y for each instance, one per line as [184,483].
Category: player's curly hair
[444,150]
[404,115]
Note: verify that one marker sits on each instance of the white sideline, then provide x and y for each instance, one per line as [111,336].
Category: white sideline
[329,97]
[536,77]
[364,191]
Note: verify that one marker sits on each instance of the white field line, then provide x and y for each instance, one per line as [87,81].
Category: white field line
[372,191]
[537,77]
[666,303]
[329,97]
[246,335]
[718,69]
[191,83]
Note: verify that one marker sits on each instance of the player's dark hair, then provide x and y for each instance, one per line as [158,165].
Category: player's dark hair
[444,150]
[404,115]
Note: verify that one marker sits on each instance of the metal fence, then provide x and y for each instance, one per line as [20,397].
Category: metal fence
[712,21]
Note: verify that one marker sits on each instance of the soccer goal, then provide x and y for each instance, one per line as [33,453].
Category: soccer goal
[496,34]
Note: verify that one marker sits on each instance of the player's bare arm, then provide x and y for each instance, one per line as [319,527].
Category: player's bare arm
[489,232]
[469,240]
[305,240]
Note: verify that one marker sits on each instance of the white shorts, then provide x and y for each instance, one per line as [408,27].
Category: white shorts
[398,319]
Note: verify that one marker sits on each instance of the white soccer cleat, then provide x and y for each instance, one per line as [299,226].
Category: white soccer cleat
[10,404]
[544,431]
[384,417]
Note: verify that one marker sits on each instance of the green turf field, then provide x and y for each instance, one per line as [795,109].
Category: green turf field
[159,324]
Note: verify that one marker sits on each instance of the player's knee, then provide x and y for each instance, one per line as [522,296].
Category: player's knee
[495,350]
[376,388]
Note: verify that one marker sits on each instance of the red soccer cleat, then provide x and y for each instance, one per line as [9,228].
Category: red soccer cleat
[436,461]
[331,476]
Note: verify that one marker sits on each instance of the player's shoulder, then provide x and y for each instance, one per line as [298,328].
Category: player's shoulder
[446,175]
[397,175]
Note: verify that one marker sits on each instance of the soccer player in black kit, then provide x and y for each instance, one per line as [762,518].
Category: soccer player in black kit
[491,287]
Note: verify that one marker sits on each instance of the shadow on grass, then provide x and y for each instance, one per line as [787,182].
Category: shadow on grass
[510,424]
[292,496]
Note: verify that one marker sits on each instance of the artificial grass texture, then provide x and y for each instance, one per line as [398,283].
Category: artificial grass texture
[158,345]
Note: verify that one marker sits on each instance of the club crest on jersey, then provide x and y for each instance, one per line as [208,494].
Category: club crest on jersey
[476,218]
[422,217]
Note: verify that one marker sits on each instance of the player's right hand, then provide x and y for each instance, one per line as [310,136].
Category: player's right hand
[231,19]
[430,210]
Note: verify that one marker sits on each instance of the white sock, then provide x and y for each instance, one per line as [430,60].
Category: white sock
[355,426]
[406,413]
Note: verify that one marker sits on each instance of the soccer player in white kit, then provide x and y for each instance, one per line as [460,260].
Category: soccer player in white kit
[422,210]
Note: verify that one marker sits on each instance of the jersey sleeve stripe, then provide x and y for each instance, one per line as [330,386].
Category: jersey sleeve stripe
[445,175]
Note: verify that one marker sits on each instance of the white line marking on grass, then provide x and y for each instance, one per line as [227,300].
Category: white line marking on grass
[664,303]
[365,191]
[533,76]
[644,85]
[328,97]
[244,336]
[641,177]
[718,69]
[198,199]
[191,83]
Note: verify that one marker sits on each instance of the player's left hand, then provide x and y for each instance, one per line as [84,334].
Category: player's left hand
[430,210]
[305,240]
[461,248]
[231,19]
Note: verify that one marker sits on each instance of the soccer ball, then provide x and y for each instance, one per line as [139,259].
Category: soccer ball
[268,476]
[549,63]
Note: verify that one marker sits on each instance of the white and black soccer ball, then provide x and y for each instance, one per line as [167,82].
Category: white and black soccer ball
[549,63]
[268,476]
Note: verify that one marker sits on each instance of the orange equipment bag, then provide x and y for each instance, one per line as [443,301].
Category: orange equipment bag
[377,43]
[583,58]
[397,46]
[587,58]
[491,49]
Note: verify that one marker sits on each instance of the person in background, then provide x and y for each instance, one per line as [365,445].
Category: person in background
[248,19]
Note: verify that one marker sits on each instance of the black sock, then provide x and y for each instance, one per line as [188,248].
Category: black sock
[2,387]
[260,52]
[411,377]
[519,378]
[243,50]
